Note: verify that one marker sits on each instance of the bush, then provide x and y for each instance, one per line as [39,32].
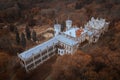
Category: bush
[78,6]
[100,1]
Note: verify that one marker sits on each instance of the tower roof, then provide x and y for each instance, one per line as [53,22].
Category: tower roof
[57,25]
[69,20]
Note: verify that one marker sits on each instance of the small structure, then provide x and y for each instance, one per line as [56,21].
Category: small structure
[61,50]
[57,29]
[63,42]
[68,24]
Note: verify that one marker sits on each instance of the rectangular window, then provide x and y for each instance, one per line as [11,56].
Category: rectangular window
[50,49]
[38,61]
[29,60]
[30,66]
[44,57]
[51,54]
[44,52]
[37,56]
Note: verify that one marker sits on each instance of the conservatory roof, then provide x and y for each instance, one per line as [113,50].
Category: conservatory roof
[35,50]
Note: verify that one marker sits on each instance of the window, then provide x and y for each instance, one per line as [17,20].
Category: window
[44,57]
[54,32]
[44,52]
[22,62]
[59,51]
[30,66]
[51,54]
[50,49]
[37,62]
[70,48]
[29,60]
[37,56]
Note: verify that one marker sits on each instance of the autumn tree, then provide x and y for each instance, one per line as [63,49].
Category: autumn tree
[31,22]
[23,39]
[28,32]
[34,37]
[10,65]
[100,1]
[70,67]
[78,5]
[62,26]
[99,64]
[13,28]
[6,44]
[17,38]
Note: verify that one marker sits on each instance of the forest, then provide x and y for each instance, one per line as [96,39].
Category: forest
[18,32]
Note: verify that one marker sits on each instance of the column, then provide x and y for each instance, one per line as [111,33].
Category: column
[53,48]
[22,63]
[33,61]
[47,52]
[89,40]
[26,67]
[40,55]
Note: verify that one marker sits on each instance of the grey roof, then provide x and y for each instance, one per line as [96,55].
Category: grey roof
[66,40]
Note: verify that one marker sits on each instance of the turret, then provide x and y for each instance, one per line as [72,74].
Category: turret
[68,24]
[57,29]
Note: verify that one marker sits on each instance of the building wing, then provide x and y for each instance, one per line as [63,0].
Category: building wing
[35,50]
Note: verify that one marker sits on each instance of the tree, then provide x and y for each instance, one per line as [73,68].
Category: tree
[6,44]
[11,27]
[31,22]
[71,67]
[15,29]
[17,38]
[23,39]
[62,26]
[100,1]
[34,36]
[28,33]
[78,6]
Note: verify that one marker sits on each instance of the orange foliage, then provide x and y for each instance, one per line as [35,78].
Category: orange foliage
[67,65]
[100,63]
[9,68]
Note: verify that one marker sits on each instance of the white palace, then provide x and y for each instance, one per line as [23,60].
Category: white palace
[63,42]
